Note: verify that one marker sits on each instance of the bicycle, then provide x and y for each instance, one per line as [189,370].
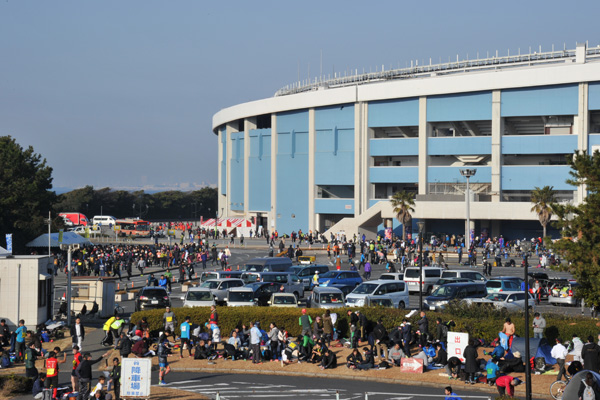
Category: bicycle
[558,388]
[119,310]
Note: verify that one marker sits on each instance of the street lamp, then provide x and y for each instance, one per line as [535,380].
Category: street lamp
[468,173]
[421,225]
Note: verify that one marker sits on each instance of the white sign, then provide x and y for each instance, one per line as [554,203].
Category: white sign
[135,377]
[457,341]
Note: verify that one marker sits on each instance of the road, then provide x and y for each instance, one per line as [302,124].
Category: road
[244,386]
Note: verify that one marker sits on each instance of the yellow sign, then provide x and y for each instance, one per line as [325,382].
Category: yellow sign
[117,227]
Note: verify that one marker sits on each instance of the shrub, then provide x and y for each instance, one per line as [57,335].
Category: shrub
[14,384]
[479,322]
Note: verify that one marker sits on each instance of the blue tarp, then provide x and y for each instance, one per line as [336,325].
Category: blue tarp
[68,238]
[537,348]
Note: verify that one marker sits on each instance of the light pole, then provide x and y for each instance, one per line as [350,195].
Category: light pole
[421,229]
[70,248]
[49,222]
[468,173]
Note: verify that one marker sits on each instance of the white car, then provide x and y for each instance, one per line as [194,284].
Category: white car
[511,301]
[283,300]
[240,297]
[198,297]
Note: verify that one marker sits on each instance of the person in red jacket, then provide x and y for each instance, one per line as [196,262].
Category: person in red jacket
[506,385]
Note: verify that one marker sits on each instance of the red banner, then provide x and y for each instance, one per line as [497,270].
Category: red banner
[412,365]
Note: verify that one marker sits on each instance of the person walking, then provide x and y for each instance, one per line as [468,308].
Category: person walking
[185,337]
[590,355]
[559,352]
[20,335]
[84,371]
[169,319]
[77,334]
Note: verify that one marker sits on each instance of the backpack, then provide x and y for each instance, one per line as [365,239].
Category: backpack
[5,362]
[444,331]
[539,363]
[588,392]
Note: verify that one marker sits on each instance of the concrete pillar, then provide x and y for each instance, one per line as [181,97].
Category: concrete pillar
[424,133]
[230,128]
[311,168]
[497,132]
[361,158]
[221,203]
[581,127]
[249,124]
[273,213]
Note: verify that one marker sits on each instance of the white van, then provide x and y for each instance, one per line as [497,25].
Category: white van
[397,291]
[464,273]
[429,278]
[104,220]
[198,297]
[240,297]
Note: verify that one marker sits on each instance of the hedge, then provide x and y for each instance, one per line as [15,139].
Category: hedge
[479,322]
[14,384]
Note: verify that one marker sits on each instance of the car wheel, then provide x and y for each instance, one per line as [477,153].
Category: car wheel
[401,305]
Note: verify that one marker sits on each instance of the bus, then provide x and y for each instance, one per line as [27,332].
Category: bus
[133,227]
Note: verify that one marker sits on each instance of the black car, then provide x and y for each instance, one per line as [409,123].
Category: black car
[152,297]
[263,291]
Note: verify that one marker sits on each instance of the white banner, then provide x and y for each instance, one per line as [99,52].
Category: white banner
[457,341]
[135,377]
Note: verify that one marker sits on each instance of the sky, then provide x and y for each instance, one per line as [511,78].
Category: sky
[121,94]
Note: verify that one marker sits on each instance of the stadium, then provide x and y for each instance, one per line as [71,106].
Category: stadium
[327,154]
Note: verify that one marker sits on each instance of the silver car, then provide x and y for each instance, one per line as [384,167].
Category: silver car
[219,287]
[564,293]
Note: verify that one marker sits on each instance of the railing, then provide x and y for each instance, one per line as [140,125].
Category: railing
[459,66]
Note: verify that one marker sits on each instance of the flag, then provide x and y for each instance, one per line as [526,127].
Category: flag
[87,232]
[60,236]
[9,242]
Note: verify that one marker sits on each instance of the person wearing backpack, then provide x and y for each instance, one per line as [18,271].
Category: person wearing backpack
[589,389]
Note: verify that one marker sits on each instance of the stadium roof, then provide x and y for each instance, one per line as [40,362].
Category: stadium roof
[68,238]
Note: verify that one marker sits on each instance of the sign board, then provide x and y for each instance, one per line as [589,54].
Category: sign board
[457,341]
[135,377]
[117,227]
[411,365]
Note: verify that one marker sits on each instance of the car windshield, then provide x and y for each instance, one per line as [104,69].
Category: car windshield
[330,274]
[411,273]
[202,295]
[444,291]
[253,267]
[154,293]
[331,298]
[365,288]
[497,297]
[249,278]
[210,284]
[208,276]
[241,296]
[449,274]
[387,277]
[284,300]
[493,284]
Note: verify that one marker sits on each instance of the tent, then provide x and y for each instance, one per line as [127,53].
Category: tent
[572,389]
[537,348]
[68,238]
[4,252]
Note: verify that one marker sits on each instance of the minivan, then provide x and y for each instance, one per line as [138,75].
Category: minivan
[198,297]
[104,220]
[429,278]
[240,297]
[462,273]
[325,297]
[306,273]
[455,291]
[207,275]
[396,290]
[277,264]
[219,287]
[288,280]
[394,276]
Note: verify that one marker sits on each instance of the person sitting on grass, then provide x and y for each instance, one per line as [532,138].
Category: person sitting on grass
[395,355]
[354,359]
[368,360]
[38,387]
[453,367]
[329,360]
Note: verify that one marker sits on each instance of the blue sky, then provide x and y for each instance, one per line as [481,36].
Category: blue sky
[122,93]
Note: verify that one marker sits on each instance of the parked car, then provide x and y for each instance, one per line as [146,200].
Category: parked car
[394,276]
[396,291]
[283,300]
[198,297]
[429,278]
[306,259]
[240,297]
[564,293]
[340,278]
[262,292]
[219,287]
[104,220]
[460,273]
[268,264]
[510,301]
[290,282]
[443,281]
[305,273]
[502,285]
[326,297]
[151,297]
[207,275]
[379,301]
[454,291]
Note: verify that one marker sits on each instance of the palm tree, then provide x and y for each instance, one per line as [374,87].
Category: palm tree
[542,200]
[403,203]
